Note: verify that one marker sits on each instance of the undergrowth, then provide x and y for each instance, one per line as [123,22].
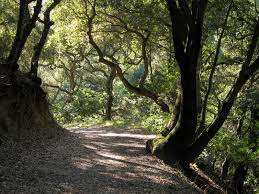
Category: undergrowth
[153,124]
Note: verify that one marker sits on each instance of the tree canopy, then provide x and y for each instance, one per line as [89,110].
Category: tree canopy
[185,70]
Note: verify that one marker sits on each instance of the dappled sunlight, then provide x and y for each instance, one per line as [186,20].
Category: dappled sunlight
[90,147]
[138,136]
[118,149]
[120,155]
[83,163]
[111,164]
[97,160]
[134,145]
[111,155]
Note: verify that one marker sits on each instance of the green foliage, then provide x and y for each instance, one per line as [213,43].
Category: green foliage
[8,19]
[227,144]
[76,81]
[155,123]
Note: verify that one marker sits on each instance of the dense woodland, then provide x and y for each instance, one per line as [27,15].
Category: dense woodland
[185,70]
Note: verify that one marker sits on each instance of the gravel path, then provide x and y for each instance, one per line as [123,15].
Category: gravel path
[88,160]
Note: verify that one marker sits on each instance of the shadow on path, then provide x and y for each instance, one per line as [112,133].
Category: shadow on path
[88,160]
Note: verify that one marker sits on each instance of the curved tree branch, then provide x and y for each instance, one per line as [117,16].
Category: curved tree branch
[39,46]
[137,90]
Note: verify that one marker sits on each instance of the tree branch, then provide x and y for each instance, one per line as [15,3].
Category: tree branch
[139,91]
[39,46]
[24,29]
[59,88]
[214,66]
[246,72]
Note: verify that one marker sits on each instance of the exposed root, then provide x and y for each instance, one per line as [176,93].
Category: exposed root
[24,110]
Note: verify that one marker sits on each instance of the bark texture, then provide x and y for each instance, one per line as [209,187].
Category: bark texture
[186,141]
[109,91]
[24,110]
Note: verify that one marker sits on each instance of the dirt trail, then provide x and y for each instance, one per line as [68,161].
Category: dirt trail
[88,160]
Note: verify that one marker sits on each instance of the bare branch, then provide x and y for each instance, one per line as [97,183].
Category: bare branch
[58,87]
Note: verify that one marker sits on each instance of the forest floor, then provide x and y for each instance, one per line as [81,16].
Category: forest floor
[89,160]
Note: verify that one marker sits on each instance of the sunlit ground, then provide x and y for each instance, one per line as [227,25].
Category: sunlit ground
[93,160]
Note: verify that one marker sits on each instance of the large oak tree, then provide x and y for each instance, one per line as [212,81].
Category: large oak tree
[187,139]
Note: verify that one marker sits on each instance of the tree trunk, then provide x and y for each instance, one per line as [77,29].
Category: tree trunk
[225,168]
[239,178]
[24,110]
[242,168]
[200,144]
[171,147]
[253,128]
[109,91]
[175,116]
[181,144]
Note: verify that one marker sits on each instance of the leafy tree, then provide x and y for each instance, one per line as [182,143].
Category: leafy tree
[125,30]
[23,102]
[186,140]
